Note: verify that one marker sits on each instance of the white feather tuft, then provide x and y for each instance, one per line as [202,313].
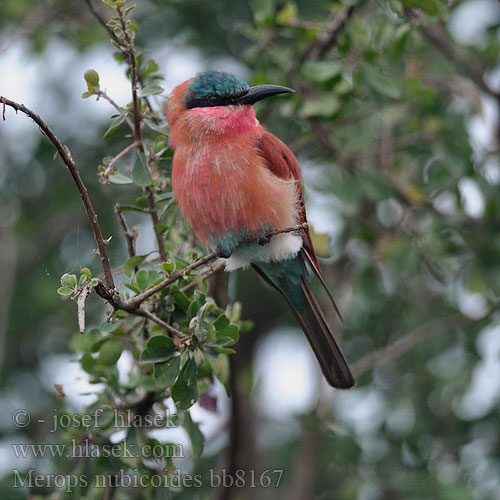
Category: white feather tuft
[280,247]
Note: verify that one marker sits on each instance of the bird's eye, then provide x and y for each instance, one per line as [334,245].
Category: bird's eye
[213,99]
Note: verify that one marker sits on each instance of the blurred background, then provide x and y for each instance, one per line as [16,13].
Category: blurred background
[396,125]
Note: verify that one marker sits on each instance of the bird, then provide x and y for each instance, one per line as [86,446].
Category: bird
[234,183]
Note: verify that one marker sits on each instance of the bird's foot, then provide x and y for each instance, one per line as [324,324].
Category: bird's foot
[263,240]
[224,253]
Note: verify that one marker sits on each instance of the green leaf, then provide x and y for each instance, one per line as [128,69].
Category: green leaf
[91,77]
[66,291]
[168,266]
[222,350]
[164,374]
[68,280]
[110,351]
[383,83]
[195,435]
[132,287]
[158,348]
[430,7]
[321,71]
[141,176]
[85,271]
[226,332]
[185,390]
[131,263]
[323,107]
[114,125]
[152,89]
[157,128]
[119,178]
[142,279]
[287,14]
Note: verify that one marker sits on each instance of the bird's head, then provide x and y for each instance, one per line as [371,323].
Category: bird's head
[216,100]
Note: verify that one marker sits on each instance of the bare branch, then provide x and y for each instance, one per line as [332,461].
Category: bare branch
[156,221]
[130,237]
[66,157]
[81,306]
[119,156]
[101,93]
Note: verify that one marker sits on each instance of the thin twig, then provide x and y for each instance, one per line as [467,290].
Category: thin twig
[66,157]
[101,93]
[205,275]
[156,222]
[403,344]
[119,156]
[81,306]
[147,314]
[130,237]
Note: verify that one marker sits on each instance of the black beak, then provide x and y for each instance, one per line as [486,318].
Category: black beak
[260,92]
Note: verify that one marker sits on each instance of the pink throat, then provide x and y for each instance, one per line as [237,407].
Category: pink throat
[220,121]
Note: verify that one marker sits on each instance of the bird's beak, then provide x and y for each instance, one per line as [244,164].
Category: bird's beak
[260,92]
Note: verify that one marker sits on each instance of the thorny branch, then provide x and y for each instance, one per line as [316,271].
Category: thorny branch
[66,157]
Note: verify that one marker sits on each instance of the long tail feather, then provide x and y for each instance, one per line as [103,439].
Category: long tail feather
[288,278]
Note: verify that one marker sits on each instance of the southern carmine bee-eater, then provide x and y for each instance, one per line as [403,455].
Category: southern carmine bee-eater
[235,182]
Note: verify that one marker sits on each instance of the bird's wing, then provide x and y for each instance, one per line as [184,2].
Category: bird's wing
[282,162]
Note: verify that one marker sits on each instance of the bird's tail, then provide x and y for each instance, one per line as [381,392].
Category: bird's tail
[289,278]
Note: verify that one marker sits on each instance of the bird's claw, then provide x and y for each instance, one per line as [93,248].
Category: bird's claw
[263,240]
[224,253]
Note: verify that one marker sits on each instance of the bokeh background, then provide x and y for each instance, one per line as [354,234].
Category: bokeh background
[396,126]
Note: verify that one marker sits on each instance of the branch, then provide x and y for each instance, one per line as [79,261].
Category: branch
[325,40]
[438,38]
[66,157]
[131,237]
[156,221]
[139,299]
[112,163]
[101,93]
[405,343]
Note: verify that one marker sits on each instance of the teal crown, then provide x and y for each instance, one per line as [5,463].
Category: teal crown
[215,83]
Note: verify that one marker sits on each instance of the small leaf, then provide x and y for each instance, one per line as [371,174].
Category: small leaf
[168,266]
[287,14]
[66,291]
[141,175]
[226,332]
[164,374]
[223,350]
[185,390]
[430,7]
[383,83]
[92,78]
[152,89]
[110,351]
[131,263]
[114,125]
[85,271]
[195,435]
[119,178]
[157,128]
[142,279]
[321,71]
[158,348]
[323,107]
